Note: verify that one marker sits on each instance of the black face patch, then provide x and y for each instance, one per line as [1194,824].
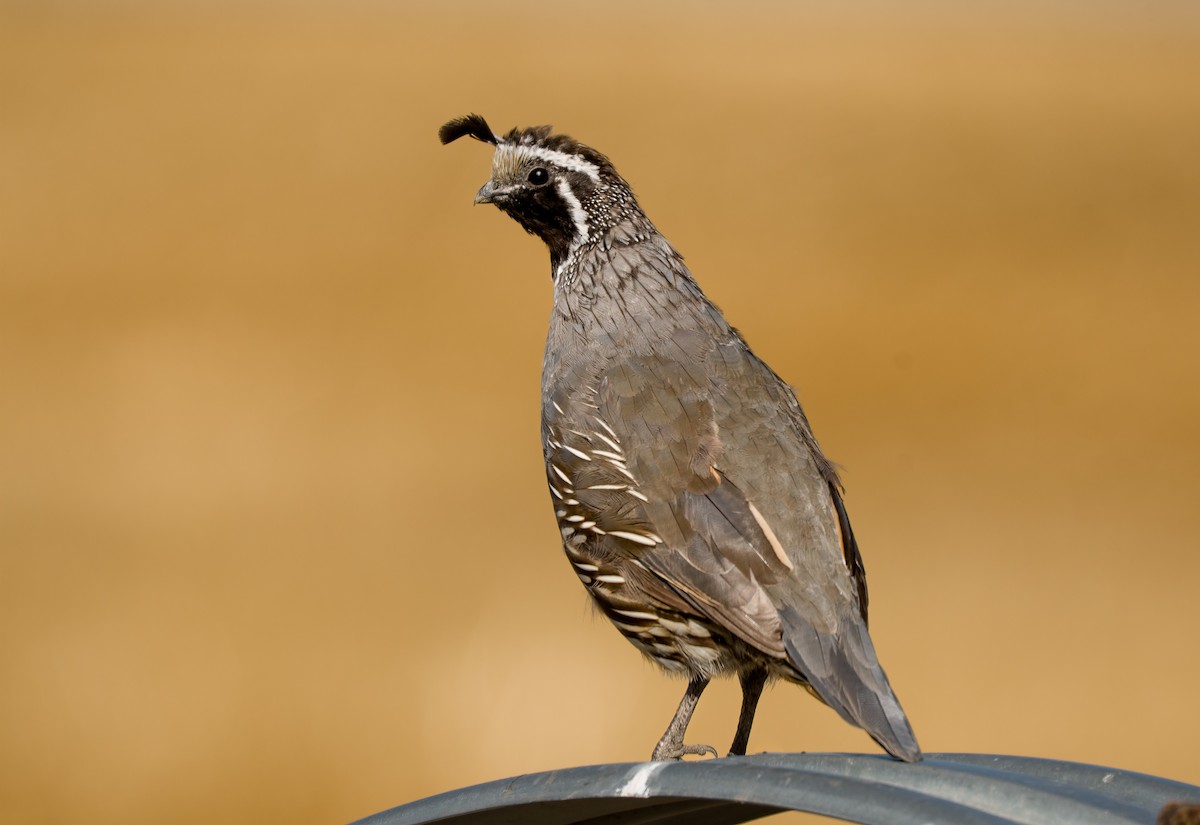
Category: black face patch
[541,210]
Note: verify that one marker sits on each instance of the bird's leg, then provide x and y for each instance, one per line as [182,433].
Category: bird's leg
[671,745]
[752,686]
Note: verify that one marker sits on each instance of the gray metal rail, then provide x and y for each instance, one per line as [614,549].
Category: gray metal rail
[963,788]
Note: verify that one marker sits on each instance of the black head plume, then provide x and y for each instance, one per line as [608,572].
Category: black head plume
[473,125]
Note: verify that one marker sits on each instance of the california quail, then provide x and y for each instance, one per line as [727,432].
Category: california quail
[694,502]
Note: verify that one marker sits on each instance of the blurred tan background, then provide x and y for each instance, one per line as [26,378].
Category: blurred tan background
[275,543]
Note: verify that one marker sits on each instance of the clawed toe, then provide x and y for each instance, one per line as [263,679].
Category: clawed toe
[664,753]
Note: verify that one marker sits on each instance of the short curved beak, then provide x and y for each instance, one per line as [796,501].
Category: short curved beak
[490,193]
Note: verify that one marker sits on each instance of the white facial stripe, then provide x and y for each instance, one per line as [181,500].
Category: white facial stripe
[573,163]
[577,214]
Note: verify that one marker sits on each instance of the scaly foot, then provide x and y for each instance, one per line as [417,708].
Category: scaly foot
[669,750]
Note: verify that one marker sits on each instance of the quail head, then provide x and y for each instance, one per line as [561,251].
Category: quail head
[693,500]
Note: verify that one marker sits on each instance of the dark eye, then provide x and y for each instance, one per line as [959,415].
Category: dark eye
[539,176]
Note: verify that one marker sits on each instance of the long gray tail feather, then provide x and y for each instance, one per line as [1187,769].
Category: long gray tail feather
[844,670]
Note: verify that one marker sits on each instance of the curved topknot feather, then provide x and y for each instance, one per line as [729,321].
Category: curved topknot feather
[473,125]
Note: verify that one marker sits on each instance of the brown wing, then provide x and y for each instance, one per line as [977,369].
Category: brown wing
[715,547]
